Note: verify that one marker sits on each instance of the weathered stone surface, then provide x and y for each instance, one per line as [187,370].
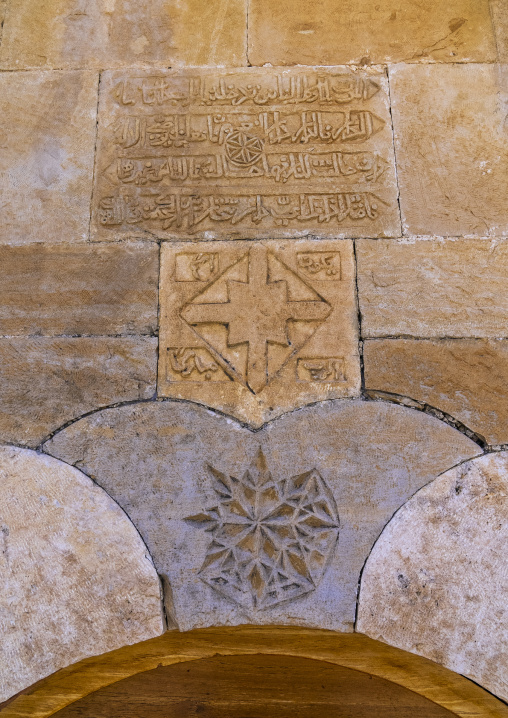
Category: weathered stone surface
[499,9]
[452,150]
[78,289]
[258,329]
[245,152]
[47,139]
[113,33]
[270,554]
[465,378]
[46,382]
[77,579]
[433,287]
[435,582]
[363,31]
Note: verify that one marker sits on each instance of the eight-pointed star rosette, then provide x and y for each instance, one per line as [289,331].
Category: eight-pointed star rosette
[271,539]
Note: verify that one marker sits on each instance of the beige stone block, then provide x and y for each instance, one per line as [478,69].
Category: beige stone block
[78,289]
[499,10]
[47,140]
[3,9]
[77,579]
[450,140]
[245,153]
[257,329]
[267,527]
[327,32]
[436,582]
[45,382]
[433,287]
[465,378]
[114,33]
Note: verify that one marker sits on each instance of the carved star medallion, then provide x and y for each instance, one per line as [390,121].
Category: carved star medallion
[272,539]
[267,313]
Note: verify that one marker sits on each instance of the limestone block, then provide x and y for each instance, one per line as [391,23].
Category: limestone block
[47,382]
[250,152]
[47,140]
[436,581]
[267,527]
[433,287]
[114,33]
[3,9]
[257,329]
[362,31]
[77,579]
[78,289]
[465,378]
[499,9]
[450,141]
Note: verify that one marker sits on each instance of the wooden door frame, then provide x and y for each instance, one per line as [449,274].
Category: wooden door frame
[350,650]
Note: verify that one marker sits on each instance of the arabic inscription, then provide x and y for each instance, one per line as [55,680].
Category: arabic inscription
[202,153]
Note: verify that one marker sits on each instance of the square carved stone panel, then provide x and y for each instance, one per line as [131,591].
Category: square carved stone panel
[257,329]
[259,152]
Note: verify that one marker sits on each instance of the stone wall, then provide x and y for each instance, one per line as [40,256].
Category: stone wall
[253,324]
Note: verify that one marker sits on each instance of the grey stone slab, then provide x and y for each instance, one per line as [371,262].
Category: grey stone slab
[262,547]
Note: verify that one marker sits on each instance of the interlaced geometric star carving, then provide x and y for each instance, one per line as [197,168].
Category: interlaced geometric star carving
[243,149]
[271,539]
[264,306]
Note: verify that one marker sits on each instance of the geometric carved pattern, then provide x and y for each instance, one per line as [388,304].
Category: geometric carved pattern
[273,322]
[271,539]
[261,303]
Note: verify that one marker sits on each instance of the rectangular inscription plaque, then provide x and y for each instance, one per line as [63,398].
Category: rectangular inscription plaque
[258,153]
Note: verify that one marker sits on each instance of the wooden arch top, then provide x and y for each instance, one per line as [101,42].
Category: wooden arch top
[349,650]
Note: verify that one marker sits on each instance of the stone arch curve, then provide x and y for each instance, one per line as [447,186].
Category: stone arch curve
[77,578]
[435,582]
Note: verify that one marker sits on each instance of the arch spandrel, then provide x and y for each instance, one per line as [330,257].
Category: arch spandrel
[267,527]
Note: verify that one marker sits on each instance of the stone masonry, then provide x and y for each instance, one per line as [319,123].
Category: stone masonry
[254,304]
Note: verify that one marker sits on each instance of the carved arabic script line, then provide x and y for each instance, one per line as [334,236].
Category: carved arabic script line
[186,212]
[244,90]
[274,128]
[277,167]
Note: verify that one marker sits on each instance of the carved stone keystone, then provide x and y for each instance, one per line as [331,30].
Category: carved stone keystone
[256,329]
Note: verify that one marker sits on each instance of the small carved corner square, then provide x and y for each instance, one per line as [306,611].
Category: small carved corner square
[321,369]
[192,364]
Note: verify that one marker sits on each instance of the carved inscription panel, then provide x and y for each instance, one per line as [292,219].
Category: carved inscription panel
[258,328]
[271,152]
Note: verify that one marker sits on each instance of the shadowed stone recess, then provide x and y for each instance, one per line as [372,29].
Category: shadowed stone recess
[244,525]
[465,378]
[46,382]
[78,289]
[450,142]
[435,582]
[363,31]
[78,33]
[77,579]
[433,287]
[47,141]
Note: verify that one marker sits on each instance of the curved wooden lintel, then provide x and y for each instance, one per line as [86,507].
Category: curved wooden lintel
[351,650]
